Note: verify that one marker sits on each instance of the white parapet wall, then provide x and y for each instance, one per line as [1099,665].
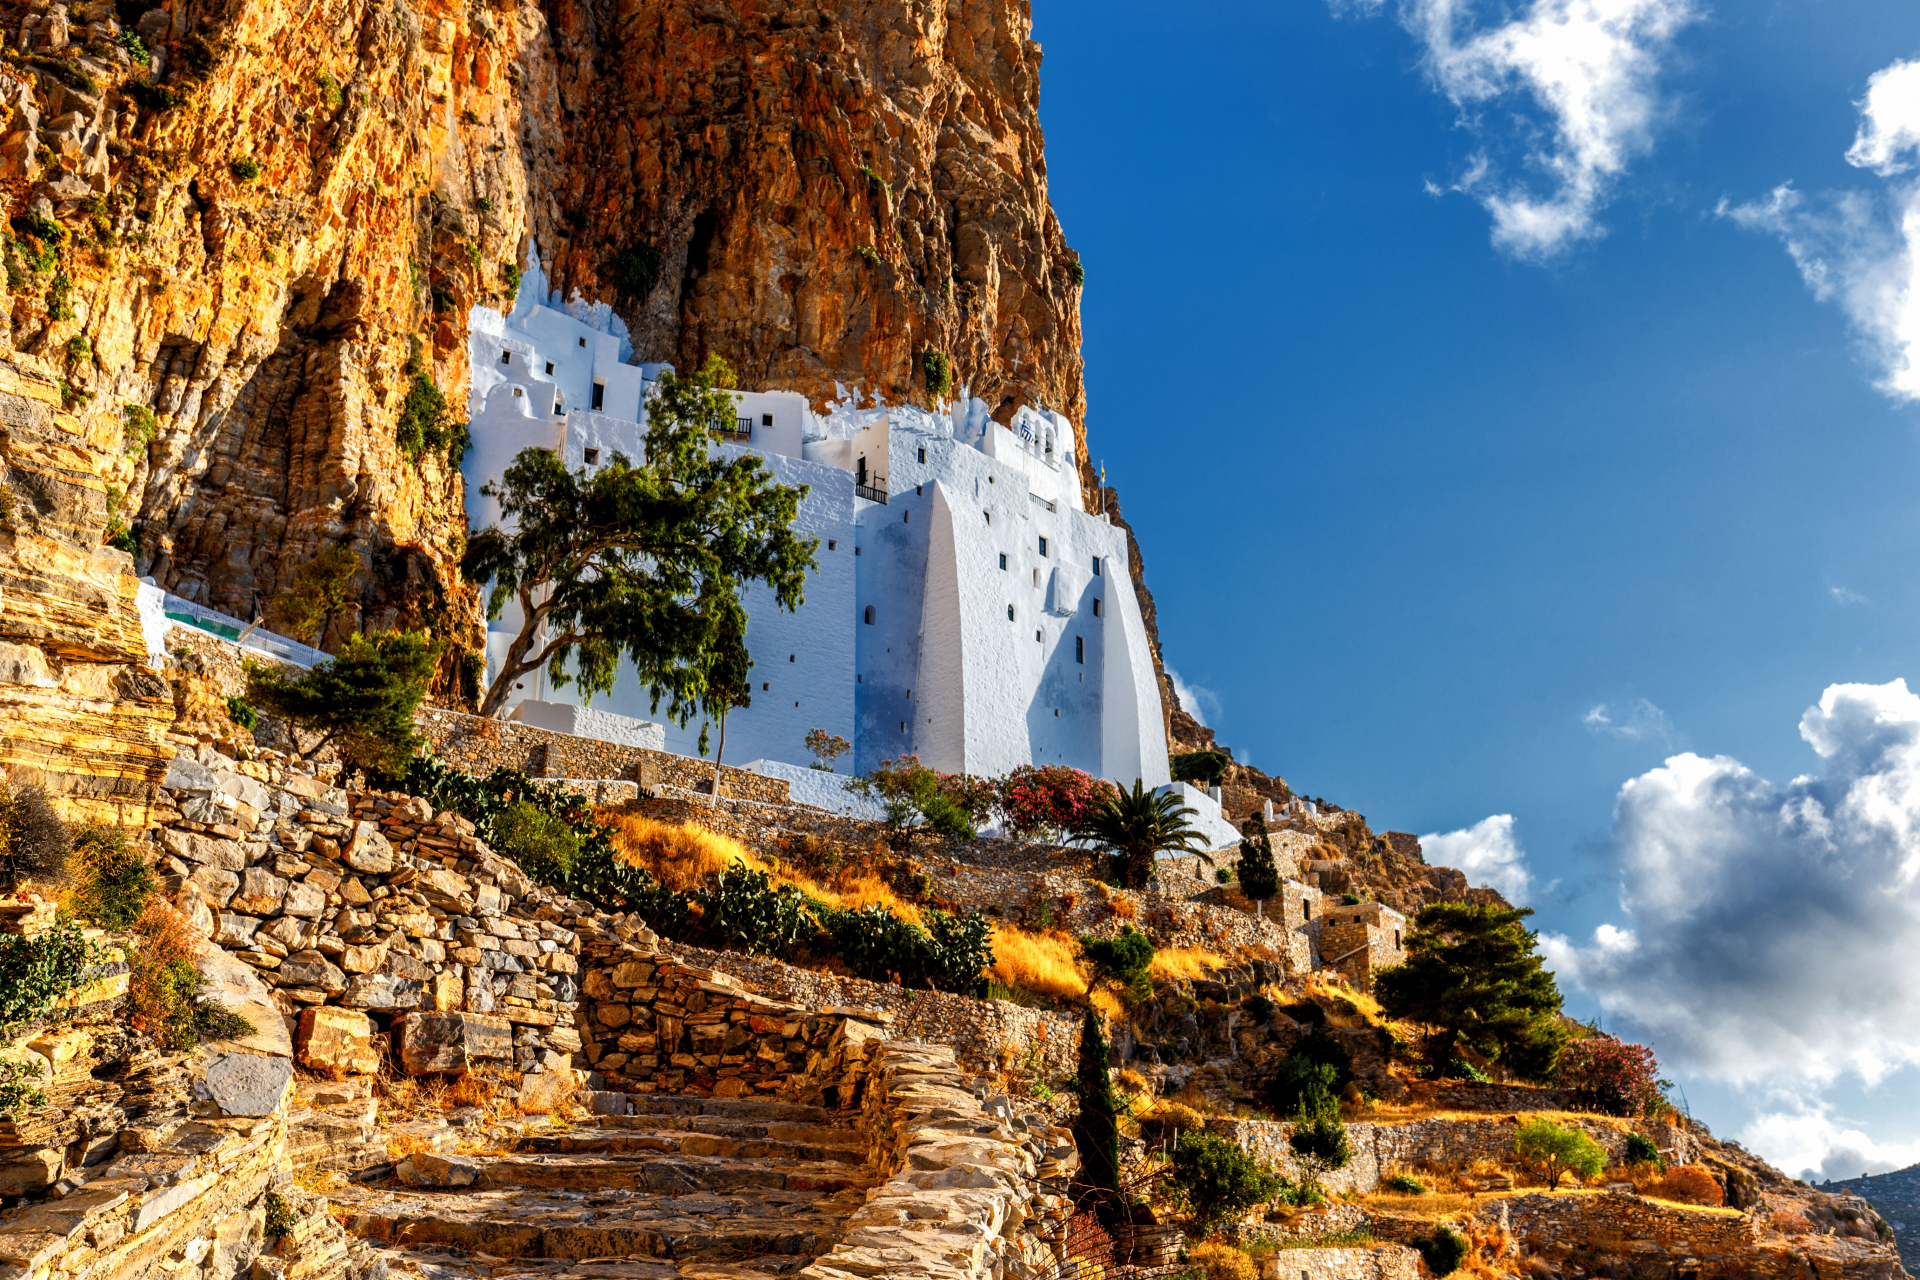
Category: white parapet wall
[1215,831]
[820,789]
[591,722]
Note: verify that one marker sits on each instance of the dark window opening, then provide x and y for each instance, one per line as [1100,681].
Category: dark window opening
[599,395]
[583,342]
[593,457]
[1096,566]
[1003,560]
[1096,606]
[1009,613]
[833,544]
[1079,648]
[549,366]
[506,357]
[766,419]
[869,615]
[860,471]
[1043,546]
[923,455]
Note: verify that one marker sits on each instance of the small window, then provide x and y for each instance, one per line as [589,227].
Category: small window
[1043,546]
[1003,561]
[549,367]
[923,455]
[1396,939]
[517,393]
[766,419]
[1306,909]
[868,616]
[1036,579]
[856,551]
[989,516]
[593,457]
[1096,566]
[599,396]
[763,686]
[792,657]
[1009,613]
[559,409]
[1079,648]
[1037,637]
[833,544]
[917,489]
[506,357]
[1096,606]
[906,517]
[583,342]
[1056,713]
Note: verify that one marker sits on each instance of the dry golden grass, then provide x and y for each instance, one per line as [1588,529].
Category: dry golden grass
[1218,1260]
[1107,1002]
[688,857]
[1186,962]
[1123,906]
[1044,963]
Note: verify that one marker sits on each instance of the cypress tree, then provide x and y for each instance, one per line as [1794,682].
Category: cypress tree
[1096,1129]
[1259,878]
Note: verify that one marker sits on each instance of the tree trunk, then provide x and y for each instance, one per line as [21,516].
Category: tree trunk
[718,751]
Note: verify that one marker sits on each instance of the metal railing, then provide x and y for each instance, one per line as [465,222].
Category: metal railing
[742,430]
[872,492]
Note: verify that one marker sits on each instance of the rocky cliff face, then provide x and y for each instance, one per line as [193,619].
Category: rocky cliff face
[245,236]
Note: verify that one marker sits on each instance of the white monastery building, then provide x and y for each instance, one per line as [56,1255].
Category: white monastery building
[967,608]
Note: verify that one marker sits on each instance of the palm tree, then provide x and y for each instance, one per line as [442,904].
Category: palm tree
[1138,824]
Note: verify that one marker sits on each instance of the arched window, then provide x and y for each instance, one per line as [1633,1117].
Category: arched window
[869,615]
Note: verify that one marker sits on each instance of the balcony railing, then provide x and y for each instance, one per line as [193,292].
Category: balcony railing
[742,430]
[873,489]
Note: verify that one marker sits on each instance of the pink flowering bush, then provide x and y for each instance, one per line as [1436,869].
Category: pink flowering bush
[1051,801]
[1612,1076]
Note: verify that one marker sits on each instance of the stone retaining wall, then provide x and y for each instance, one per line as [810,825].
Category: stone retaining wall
[1376,1262]
[481,746]
[973,1192]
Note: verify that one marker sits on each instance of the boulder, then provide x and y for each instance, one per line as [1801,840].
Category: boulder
[208,851]
[432,1169]
[543,1094]
[310,969]
[260,893]
[245,1084]
[381,991]
[306,900]
[337,1039]
[235,986]
[447,1041]
[364,959]
[369,850]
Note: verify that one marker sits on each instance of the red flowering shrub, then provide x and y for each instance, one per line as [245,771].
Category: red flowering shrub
[1048,800]
[1610,1075]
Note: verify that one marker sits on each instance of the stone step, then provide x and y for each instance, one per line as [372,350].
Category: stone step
[429,1264]
[757,1222]
[614,1105]
[703,1136]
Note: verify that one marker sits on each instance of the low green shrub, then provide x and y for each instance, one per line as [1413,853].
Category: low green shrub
[937,366]
[1406,1185]
[1640,1150]
[634,271]
[1123,960]
[141,426]
[1557,1150]
[540,840]
[34,843]
[242,713]
[280,1216]
[1217,1178]
[744,910]
[18,1087]
[1443,1250]
[111,879]
[37,972]
[136,47]
[244,168]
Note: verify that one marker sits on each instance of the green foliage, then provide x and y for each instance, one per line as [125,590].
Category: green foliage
[948,954]
[868,254]
[34,843]
[510,280]
[181,1020]
[141,426]
[744,911]
[1220,1181]
[1077,272]
[634,271]
[329,90]
[1557,1150]
[17,1088]
[644,563]
[1258,875]
[79,350]
[280,1216]
[543,842]
[60,297]
[912,795]
[1443,1250]
[363,700]
[321,587]
[244,168]
[1227,874]
[423,426]
[1123,960]
[1096,1125]
[136,47]
[1640,1150]
[1136,825]
[241,712]
[1473,975]
[875,181]
[1406,1185]
[1317,1067]
[154,97]
[112,881]
[826,748]
[36,972]
[937,367]
[1318,1138]
[484,204]
[1202,768]
[122,536]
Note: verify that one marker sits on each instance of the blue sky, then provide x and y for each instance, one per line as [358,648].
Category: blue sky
[1452,522]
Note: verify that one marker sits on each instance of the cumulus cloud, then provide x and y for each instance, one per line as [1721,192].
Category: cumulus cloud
[1488,853]
[1198,701]
[1772,924]
[1861,249]
[1562,97]
[1807,1140]
[1636,721]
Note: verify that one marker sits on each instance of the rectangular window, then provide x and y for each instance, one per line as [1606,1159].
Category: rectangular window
[923,455]
[1096,566]
[1003,561]
[559,409]
[549,368]
[506,357]
[1096,606]
[1079,648]
[766,419]
[583,342]
[1043,546]
[593,457]
[599,396]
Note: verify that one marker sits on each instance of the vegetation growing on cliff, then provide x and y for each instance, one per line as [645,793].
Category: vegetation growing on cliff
[362,701]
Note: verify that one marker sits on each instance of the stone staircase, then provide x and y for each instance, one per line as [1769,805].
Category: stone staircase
[702,1188]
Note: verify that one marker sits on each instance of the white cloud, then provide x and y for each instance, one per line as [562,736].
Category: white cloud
[1842,595]
[1772,925]
[1198,701]
[1809,1143]
[1862,249]
[1565,93]
[1487,853]
[1637,721]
